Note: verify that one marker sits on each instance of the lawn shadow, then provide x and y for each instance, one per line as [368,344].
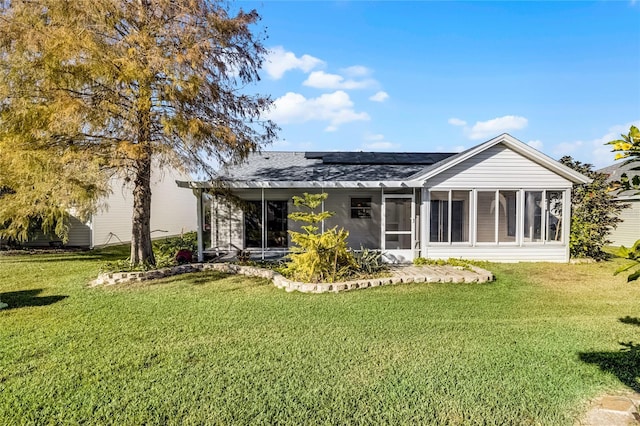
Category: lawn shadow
[25,298]
[630,320]
[624,364]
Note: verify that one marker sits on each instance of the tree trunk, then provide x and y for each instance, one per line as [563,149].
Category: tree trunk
[141,250]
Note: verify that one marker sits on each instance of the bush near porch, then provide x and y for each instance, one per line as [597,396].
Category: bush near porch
[529,348]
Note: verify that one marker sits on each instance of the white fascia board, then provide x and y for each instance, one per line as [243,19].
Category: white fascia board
[519,147]
[305,184]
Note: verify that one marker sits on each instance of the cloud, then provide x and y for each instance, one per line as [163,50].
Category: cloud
[457,122]
[377,142]
[594,151]
[380,96]
[323,80]
[357,71]
[279,61]
[336,108]
[537,144]
[496,126]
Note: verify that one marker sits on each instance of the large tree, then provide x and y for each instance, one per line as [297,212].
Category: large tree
[129,84]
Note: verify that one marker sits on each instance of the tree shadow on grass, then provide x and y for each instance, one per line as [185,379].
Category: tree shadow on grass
[25,298]
[624,364]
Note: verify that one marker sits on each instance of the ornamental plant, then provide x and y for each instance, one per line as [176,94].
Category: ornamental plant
[318,256]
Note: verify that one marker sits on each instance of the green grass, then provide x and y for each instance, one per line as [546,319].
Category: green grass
[530,348]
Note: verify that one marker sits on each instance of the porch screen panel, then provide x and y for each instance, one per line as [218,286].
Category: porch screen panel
[532,216]
[439,217]
[275,220]
[486,217]
[507,206]
[554,202]
[397,242]
[398,214]
[460,216]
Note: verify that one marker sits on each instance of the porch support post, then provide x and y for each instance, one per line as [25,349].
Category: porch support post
[383,220]
[566,222]
[322,207]
[264,231]
[424,221]
[200,227]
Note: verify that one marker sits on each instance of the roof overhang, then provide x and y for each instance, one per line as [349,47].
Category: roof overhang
[517,146]
[300,184]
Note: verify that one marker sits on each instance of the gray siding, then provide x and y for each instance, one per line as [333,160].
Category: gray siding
[627,232]
[498,167]
[79,236]
[228,232]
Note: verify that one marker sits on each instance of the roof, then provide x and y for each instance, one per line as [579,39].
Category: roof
[364,169]
[616,170]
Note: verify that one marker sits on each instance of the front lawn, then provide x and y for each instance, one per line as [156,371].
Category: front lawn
[530,348]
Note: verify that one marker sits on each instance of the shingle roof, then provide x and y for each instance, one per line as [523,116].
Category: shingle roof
[275,166]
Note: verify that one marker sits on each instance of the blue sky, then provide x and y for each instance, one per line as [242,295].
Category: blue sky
[444,76]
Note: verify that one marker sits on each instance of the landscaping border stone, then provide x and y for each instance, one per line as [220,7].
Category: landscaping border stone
[399,275]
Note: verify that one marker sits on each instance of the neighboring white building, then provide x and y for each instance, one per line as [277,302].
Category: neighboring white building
[172,213]
[628,231]
[500,201]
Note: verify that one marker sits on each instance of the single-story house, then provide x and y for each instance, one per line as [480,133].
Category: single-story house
[501,200]
[628,231]
[172,213]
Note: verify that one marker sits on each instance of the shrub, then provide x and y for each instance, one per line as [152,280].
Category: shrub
[318,256]
[632,254]
[369,261]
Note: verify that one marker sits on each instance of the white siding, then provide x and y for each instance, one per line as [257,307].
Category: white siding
[627,232]
[498,167]
[173,210]
[502,253]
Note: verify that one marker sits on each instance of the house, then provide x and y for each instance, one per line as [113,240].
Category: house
[501,201]
[628,231]
[171,214]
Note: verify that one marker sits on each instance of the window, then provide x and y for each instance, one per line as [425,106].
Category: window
[533,216]
[486,225]
[445,210]
[361,208]
[507,216]
[554,215]
[275,221]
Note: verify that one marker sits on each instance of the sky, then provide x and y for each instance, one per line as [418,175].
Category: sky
[422,76]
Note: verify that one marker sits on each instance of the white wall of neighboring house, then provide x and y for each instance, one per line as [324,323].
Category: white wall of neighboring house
[173,210]
[628,231]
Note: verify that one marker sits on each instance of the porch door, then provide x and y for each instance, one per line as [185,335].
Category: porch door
[398,226]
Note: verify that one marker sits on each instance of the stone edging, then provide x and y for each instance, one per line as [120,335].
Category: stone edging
[282,282]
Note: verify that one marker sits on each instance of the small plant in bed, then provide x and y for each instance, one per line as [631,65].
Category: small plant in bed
[165,250]
[464,264]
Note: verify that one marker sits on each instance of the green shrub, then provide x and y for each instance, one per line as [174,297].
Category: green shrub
[318,256]
[632,254]
[165,251]
[369,261]
[421,261]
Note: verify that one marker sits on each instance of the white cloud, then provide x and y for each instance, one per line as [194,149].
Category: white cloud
[537,144]
[357,71]
[377,142]
[279,61]
[594,151]
[457,122]
[336,108]
[496,126]
[323,80]
[380,96]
